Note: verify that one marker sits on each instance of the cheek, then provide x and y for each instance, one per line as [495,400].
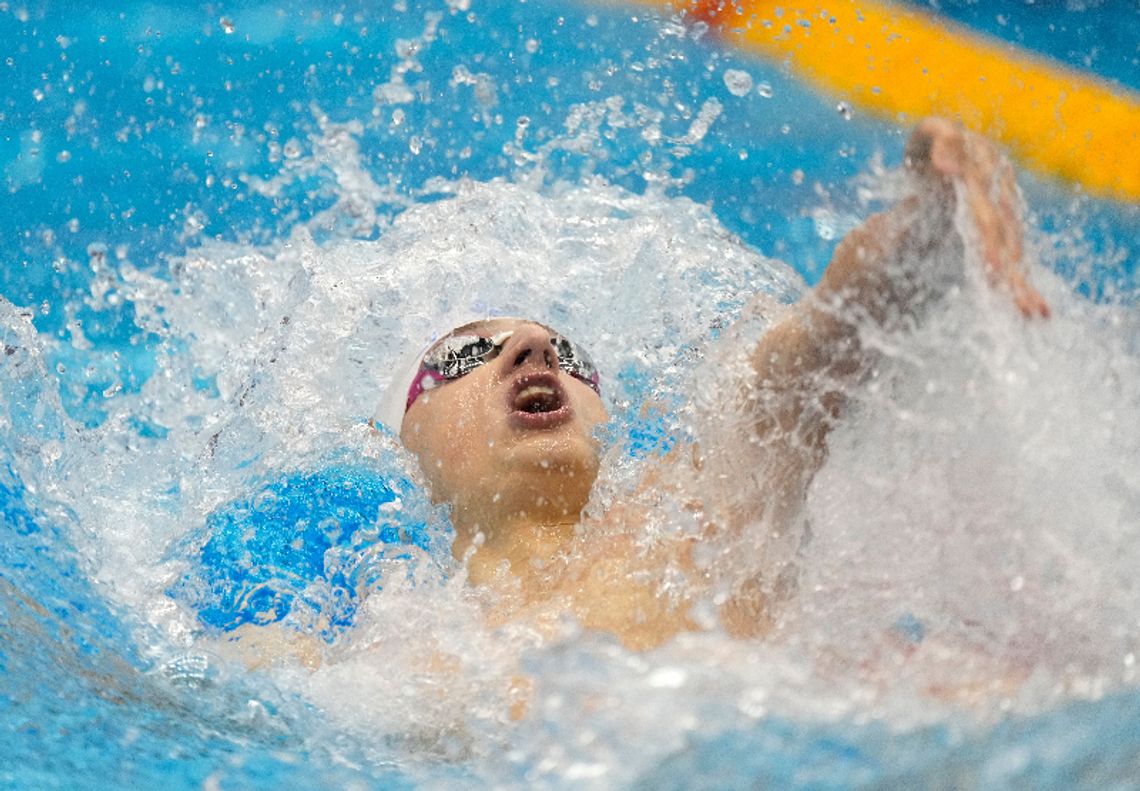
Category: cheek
[597,413]
[588,405]
[449,431]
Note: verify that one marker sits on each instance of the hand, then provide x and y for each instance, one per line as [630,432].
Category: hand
[943,151]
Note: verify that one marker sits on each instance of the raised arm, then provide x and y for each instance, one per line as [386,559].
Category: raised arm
[879,279]
[778,397]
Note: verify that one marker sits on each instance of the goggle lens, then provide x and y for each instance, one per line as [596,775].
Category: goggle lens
[456,356]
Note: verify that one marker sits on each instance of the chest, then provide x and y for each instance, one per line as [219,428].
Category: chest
[615,587]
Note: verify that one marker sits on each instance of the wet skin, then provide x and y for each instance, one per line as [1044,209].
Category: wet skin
[510,446]
[517,479]
[518,474]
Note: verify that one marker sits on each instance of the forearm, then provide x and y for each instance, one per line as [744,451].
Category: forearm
[777,396]
[882,277]
[799,371]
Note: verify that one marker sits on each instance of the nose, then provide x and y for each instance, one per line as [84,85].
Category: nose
[530,345]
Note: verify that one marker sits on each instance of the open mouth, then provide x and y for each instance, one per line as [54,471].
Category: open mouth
[538,398]
[539,401]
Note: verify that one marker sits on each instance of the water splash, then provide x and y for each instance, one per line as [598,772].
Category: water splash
[975,520]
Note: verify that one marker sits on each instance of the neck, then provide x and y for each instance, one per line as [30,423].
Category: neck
[524,551]
[527,539]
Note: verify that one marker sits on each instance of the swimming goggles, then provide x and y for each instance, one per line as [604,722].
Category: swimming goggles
[456,356]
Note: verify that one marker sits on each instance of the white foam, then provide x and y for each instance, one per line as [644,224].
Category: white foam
[985,483]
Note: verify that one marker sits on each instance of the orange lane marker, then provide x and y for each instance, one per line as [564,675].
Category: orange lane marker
[903,64]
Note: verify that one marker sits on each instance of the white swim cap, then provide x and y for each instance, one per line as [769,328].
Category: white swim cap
[394,401]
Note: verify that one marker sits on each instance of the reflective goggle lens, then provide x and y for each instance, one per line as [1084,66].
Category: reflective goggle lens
[458,355]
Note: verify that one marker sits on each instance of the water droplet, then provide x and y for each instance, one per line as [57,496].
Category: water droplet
[264,500]
[415,144]
[738,82]
[765,90]
[754,702]
[190,670]
[844,109]
[227,25]
[667,678]
[330,527]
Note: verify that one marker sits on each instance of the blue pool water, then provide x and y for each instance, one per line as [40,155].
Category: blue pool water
[152,154]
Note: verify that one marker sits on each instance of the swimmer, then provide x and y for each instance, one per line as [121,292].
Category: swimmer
[501,416]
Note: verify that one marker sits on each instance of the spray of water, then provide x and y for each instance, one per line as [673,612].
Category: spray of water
[969,543]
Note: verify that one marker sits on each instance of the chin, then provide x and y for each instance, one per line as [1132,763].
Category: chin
[555,452]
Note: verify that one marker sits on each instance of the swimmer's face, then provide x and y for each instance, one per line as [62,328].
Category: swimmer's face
[516,431]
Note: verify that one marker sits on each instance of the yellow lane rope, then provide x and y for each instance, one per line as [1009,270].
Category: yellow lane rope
[901,63]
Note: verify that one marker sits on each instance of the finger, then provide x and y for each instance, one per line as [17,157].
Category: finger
[1028,300]
[1010,208]
[988,223]
[940,149]
[992,197]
